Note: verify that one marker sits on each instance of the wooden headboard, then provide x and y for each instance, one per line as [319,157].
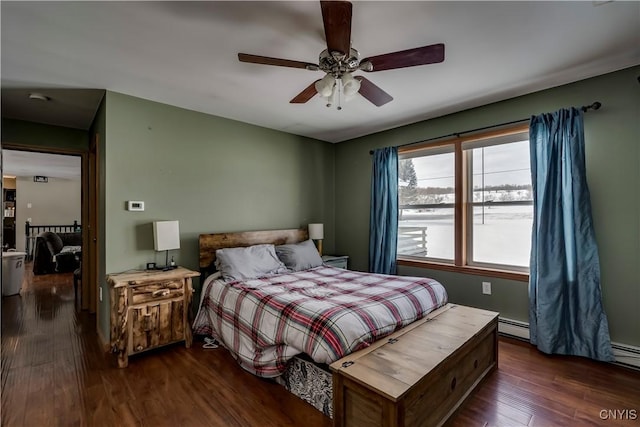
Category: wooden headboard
[209,243]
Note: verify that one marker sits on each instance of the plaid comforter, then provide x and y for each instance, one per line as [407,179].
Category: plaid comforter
[324,312]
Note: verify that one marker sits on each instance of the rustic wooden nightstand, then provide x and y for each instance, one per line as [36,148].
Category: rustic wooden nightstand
[149,309]
[339,261]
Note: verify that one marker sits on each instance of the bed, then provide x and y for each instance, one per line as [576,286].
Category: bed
[292,323]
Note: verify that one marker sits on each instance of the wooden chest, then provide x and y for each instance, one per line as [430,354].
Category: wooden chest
[419,375]
[149,309]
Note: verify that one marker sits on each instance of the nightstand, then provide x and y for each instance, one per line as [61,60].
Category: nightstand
[339,261]
[149,309]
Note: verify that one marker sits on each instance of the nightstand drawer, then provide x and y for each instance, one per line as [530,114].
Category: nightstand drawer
[142,294]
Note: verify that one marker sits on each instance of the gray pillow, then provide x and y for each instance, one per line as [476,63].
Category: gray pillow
[248,263]
[299,256]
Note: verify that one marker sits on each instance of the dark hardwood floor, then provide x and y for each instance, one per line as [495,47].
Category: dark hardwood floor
[54,373]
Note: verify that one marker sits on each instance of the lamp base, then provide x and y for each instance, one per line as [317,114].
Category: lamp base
[167,266]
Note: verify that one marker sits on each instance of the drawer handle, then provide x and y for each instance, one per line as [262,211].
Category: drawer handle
[475,364]
[160,293]
[166,284]
[453,384]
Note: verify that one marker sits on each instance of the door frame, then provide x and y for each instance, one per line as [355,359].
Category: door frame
[93,221]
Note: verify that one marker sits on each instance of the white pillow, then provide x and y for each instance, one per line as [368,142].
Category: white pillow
[299,256]
[248,263]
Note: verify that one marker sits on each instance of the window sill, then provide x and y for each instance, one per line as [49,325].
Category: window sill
[479,271]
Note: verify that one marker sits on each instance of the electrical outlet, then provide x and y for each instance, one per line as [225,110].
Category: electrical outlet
[486,288]
[100,288]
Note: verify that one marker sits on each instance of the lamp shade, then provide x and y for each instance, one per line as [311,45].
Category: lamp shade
[325,85]
[316,231]
[350,86]
[166,235]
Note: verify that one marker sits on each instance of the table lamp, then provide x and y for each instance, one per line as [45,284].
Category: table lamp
[166,236]
[316,232]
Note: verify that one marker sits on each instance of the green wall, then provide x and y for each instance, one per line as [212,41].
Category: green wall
[41,135]
[210,173]
[613,172]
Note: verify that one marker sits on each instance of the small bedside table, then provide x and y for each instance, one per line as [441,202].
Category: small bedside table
[339,261]
[149,309]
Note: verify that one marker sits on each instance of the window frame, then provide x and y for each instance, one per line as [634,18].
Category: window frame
[463,209]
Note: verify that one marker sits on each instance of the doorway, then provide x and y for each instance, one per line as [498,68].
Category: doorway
[51,197]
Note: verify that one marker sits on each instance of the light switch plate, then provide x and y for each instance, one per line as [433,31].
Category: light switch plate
[486,288]
[135,205]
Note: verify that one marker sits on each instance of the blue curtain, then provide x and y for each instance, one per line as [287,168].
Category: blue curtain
[383,222]
[566,314]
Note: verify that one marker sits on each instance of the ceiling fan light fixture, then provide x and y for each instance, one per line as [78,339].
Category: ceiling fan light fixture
[334,96]
[325,86]
[350,86]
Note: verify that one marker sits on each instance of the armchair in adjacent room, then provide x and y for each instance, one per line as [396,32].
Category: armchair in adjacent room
[56,252]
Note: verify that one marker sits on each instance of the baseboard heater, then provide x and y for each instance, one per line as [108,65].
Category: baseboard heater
[626,355]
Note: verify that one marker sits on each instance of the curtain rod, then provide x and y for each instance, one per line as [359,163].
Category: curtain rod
[595,106]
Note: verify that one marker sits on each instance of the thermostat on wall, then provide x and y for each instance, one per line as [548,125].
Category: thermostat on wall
[135,206]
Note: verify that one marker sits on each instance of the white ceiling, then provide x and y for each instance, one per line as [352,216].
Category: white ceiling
[185,54]
[26,163]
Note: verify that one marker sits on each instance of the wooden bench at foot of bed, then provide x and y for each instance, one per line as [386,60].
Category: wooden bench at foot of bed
[419,375]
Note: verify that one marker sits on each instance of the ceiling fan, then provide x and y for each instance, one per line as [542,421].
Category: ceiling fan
[339,61]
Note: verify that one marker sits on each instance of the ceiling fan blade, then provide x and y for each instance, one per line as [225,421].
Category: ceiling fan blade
[336,16]
[256,59]
[406,58]
[373,93]
[304,96]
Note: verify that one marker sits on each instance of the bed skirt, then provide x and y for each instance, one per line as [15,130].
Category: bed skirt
[310,383]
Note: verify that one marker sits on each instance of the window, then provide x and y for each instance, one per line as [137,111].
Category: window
[467,203]
[426,191]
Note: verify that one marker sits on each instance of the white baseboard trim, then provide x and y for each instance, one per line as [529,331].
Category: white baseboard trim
[625,354]
[514,328]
